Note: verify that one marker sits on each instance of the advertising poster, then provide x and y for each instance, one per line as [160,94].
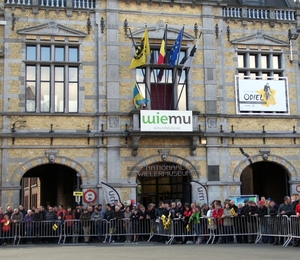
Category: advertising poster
[262,95]
[241,198]
[166,120]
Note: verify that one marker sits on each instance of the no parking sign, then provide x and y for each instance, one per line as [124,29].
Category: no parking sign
[89,196]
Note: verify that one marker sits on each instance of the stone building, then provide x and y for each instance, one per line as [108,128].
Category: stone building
[67,119]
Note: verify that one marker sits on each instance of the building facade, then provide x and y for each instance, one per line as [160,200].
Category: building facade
[67,112]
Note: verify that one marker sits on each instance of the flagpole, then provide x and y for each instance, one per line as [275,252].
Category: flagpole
[186,76]
[161,72]
[176,68]
[165,69]
[184,84]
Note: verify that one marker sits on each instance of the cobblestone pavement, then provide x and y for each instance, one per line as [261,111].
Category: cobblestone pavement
[145,251]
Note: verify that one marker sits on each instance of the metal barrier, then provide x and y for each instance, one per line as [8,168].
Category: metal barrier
[295,227]
[280,229]
[9,233]
[276,229]
[128,230]
[74,230]
[189,232]
[31,232]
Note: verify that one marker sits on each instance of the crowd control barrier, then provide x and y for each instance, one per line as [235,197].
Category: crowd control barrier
[279,229]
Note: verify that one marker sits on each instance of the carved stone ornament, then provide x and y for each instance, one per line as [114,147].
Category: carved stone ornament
[113,121]
[51,154]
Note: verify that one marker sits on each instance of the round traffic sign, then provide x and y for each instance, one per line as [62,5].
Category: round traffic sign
[89,196]
[298,188]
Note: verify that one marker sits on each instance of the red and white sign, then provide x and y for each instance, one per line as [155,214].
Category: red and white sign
[89,196]
[298,188]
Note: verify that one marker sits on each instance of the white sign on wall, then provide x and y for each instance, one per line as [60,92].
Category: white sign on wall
[166,120]
[261,95]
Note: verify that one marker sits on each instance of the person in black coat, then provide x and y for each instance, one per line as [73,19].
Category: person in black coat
[135,220]
[117,223]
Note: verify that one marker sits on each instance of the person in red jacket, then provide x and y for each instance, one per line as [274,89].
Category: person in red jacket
[68,217]
[218,216]
[5,222]
[296,241]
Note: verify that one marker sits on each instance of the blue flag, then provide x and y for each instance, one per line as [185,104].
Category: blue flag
[137,98]
[175,49]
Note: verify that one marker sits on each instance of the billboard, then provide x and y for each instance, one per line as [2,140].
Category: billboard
[240,198]
[262,95]
[166,120]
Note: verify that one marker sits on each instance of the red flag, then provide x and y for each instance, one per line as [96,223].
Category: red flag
[162,51]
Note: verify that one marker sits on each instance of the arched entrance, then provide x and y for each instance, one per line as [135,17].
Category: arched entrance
[49,184]
[267,179]
[163,181]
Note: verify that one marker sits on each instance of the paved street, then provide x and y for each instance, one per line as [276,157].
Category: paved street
[144,251]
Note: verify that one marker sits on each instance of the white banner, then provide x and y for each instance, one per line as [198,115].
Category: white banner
[166,120]
[262,95]
[110,194]
[199,193]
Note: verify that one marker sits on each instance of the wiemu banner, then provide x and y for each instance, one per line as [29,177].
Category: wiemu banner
[110,194]
[199,193]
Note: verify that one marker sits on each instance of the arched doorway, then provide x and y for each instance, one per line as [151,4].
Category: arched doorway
[49,184]
[163,181]
[267,179]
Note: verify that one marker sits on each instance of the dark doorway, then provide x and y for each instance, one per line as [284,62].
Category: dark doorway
[163,182]
[56,185]
[267,179]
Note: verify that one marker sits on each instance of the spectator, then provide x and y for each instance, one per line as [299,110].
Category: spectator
[284,210]
[8,211]
[29,225]
[127,224]
[68,217]
[6,230]
[117,223]
[96,218]
[194,220]
[135,219]
[85,218]
[228,215]
[218,217]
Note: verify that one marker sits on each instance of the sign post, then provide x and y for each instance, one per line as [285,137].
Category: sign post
[77,195]
[89,196]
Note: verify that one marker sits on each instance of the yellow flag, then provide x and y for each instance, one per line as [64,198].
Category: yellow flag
[140,56]
[54,227]
[187,227]
[232,212]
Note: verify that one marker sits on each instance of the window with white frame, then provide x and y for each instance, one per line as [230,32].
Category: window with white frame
[52,78]
[164,87]
[254,64]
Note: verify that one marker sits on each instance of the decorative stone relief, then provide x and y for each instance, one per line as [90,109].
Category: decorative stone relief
[113,122]
[207,10]
[51,154]
[211,123]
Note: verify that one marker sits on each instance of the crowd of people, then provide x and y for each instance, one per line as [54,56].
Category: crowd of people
[193,222]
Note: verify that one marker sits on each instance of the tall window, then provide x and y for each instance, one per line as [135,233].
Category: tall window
[165,87]
[52,78]
[260,65]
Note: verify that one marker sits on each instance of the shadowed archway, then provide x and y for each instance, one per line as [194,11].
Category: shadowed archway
[49,184]
[267,179]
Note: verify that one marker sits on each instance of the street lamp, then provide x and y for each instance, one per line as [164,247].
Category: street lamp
[292,37]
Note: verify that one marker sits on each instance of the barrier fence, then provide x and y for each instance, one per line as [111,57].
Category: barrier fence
[250,229]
